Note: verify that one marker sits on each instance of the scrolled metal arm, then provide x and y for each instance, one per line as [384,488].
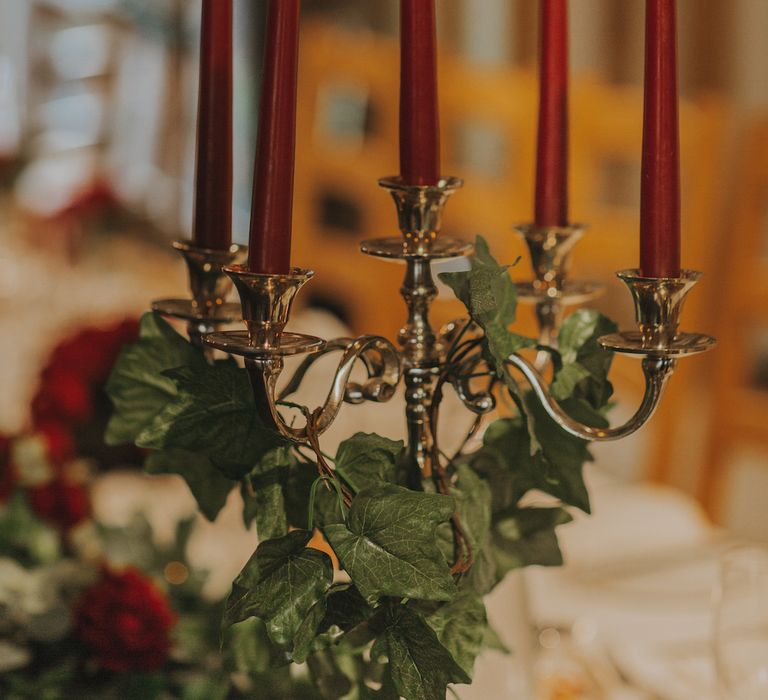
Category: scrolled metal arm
[478,402]
[656,371]
[377,355]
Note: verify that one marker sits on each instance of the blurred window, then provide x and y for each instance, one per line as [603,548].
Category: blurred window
[619,183]
[481,148]
[339,213]
[344,114]
[80,52]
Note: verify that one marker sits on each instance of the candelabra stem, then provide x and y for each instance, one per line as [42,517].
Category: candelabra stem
[419,216]
[549,316]
[421,357]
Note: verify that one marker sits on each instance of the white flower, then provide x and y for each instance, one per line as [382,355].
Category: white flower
[29,455]
[23,592]
[12,656]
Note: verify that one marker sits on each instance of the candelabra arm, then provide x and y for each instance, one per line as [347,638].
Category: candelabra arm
[657,371]
[266,301]
[376,354]
[479,402]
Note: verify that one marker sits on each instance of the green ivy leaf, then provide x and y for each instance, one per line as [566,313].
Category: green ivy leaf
[213,414]
[491,640]
[265,505]
[137,387]
[388,544]
[526,537]
[279,585]
[562,456]
[367,459]
[296,490]
[585,364]
[507,463]
[329,679]
[421,667]
[248,648]
[264,501]
[304,642]
[460,625]
[207,484]
[491,300]
[345,609]
[472,495]
[567,379]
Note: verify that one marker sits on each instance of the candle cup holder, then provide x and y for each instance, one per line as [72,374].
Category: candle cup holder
[550,249]
[420,215]
[426,360]
[658,303]
[209,286]
[266,301]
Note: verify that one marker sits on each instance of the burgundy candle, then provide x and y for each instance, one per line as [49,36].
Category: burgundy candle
[212,221]
[270,236]
[660,189]
[419,126]
[552,146]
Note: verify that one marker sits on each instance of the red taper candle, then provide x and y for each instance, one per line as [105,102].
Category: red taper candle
[551,206]
[212,220]
[271,212]
[660,188]
[419,125]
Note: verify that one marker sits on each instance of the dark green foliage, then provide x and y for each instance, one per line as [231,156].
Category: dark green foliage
[395,622]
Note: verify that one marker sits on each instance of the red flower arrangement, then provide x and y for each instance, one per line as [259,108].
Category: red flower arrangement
[78,366]
[125,621]
[60,502]
[69,405]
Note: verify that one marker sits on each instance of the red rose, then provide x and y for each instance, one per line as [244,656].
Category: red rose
[60,503]
[125,621]
[59,444]
[78,366]
[92,352]
[63,395]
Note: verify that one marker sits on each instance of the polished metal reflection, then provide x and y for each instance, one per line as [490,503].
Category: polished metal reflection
[420,210]
[266,303]
[427,360]
[374,353]
[658,303]
[419,216]
[550,249]
[209,286]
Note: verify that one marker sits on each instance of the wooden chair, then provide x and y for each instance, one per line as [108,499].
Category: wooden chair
[348,138]
[740,400]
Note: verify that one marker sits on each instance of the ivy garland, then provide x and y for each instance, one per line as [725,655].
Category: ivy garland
[399,621]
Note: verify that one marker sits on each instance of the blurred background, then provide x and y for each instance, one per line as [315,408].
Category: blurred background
[97,132]
[97,110]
